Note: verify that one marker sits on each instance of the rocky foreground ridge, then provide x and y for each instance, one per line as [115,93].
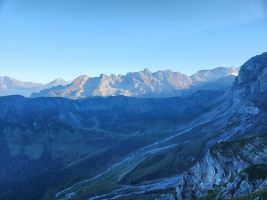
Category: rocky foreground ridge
[237,166]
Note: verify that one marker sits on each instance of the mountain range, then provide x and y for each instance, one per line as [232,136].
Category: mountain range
[139,84]
[207,144]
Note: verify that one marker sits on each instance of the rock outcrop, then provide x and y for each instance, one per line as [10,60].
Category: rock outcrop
[223,170]
[250,86]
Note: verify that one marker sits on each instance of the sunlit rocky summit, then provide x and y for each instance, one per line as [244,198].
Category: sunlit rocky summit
[143,84]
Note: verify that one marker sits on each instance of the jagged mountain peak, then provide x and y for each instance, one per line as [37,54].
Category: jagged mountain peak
[56,82]
[79,81]
[82,78]
[146,71]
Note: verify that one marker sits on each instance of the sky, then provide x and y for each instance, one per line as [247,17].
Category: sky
[41,40]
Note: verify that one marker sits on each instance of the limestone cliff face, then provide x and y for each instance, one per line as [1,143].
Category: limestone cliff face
[223,168]
[249,180]
[227,160]
[251,85]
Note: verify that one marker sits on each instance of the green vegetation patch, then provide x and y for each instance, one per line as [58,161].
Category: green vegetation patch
[210,196]
[261,193]
[256,172]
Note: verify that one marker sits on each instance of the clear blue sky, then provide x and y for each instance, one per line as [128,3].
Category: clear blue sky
[44,39]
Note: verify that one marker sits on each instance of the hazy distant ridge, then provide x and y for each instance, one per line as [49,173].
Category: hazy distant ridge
[11,86]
